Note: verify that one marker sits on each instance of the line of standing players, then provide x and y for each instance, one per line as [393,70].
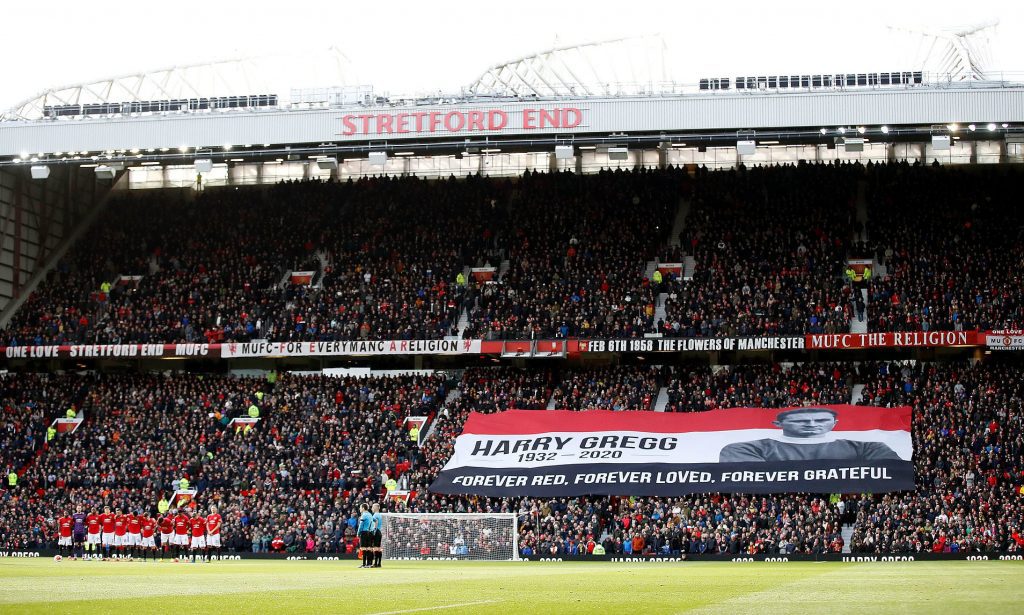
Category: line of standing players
[116,535]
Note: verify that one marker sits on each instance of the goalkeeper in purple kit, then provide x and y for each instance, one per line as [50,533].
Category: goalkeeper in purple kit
[79,532]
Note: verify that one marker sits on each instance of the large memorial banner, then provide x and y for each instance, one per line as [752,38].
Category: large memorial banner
[822,449]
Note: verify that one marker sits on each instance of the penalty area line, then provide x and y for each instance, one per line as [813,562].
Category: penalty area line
[436,608]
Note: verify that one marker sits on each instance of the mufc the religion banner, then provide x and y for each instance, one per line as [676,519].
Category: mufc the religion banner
[821,449]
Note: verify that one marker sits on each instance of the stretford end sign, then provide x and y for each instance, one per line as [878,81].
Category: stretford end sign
[473,121]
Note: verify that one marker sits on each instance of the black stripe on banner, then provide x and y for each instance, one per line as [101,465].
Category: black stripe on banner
[661,479]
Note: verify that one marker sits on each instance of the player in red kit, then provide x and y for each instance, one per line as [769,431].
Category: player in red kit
[148,545]
[166,534]
[180,538]
[134,533]
[213,531]
[107,523]
[92,539]
[120,532]
[64,530]
[198,524]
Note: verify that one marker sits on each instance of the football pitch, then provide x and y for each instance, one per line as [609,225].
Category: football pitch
[254,586]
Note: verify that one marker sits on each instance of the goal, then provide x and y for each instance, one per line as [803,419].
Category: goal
[463,536]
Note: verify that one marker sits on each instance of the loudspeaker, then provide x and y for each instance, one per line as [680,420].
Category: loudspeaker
[940,142]
[378,158]
[105,172]
[853,144]
[327,164]
[618,153]
[204,165]
[746,148]
[40,172]
[563,152]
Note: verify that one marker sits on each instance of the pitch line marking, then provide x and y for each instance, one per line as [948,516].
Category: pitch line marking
[436,608]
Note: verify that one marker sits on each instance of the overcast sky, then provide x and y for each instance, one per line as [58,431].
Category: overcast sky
[409,47]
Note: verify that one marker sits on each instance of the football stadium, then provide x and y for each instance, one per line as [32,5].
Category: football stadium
[577,332]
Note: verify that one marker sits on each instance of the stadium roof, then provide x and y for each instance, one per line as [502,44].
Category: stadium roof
[240,76]
[623,66]
[628,66]
[596,90]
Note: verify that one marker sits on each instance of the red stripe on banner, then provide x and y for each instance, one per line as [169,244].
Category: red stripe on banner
[514,422]
[910,339]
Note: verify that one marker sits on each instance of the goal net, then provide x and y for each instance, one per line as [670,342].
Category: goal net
[469,536]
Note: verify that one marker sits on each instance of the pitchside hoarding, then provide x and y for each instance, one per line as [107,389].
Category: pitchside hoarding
[642,560]
[823,449]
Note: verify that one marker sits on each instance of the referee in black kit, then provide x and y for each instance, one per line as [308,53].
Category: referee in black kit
[376,522]
[365,536]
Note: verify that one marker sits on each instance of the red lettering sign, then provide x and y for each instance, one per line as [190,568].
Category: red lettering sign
[477,120]
[912,339]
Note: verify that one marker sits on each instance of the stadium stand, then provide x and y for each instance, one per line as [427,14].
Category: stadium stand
[968,440]
[325,443]
[768,245]
[613,388]
[577,248]
[758,386]
[951,243]
[387,258]
[967,498]
[570,255]
[320,443]
[215,268]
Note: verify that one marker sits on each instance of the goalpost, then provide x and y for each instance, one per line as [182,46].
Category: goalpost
[462,536]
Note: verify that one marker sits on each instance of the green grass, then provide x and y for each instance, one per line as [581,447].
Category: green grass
[44,586]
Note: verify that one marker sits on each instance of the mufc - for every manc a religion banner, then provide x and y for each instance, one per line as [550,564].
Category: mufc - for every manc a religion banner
[822,449]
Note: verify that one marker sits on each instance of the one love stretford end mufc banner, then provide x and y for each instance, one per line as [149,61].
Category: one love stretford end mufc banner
[823,449]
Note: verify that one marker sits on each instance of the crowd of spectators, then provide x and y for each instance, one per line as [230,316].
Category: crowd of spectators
[172,267]
[321,444]
[704,524]
[30,403]
[577,248]
[773,385]
[485,390]
[395,249]
[611,388]
[769,246]
[164,267]
[712,523]
[388,257]
[968,436]
[325,444]
[951,240]
[968,430]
